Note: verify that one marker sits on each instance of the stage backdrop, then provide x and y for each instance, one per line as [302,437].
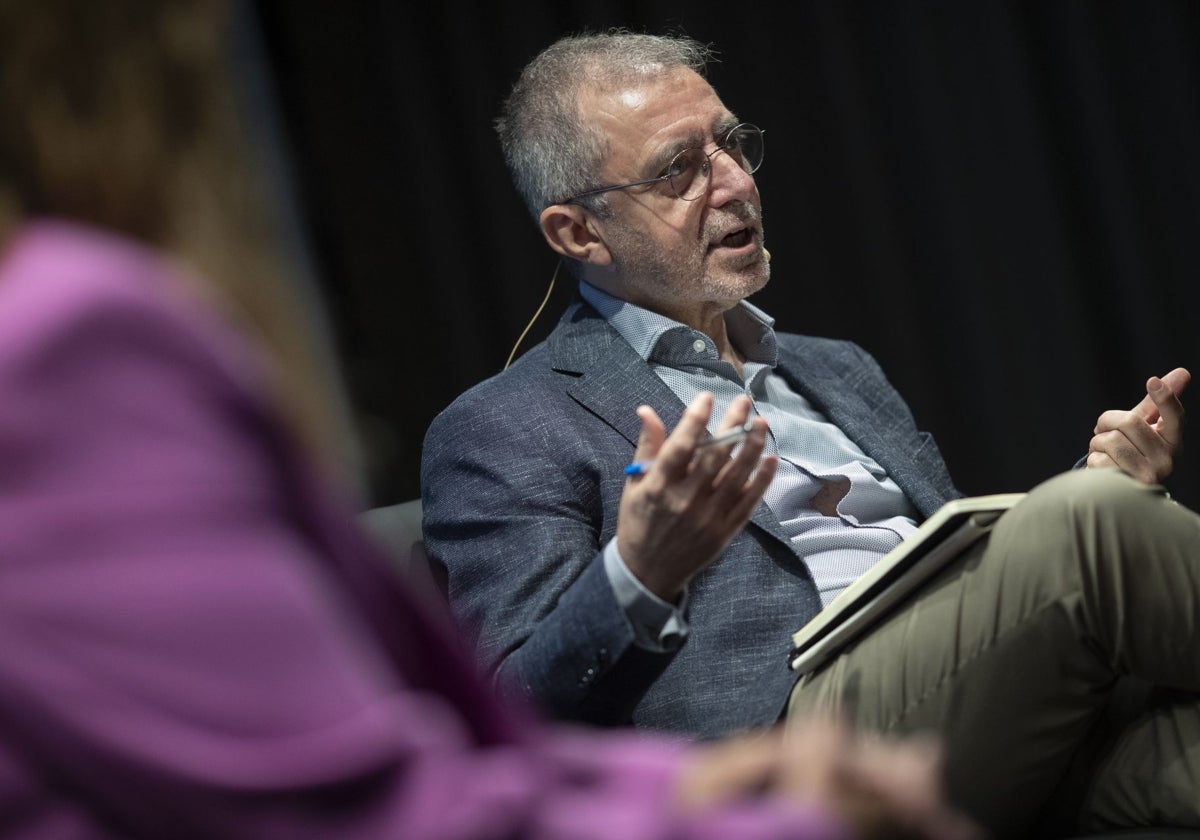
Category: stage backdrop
[1000,201]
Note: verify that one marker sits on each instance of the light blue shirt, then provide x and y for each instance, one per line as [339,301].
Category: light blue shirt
[868,521]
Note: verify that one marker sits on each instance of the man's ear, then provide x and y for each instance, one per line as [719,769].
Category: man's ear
[571,231]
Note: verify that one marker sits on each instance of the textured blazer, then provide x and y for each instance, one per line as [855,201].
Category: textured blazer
[521,479]
[195,642]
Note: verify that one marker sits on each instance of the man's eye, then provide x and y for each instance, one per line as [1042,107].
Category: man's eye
[687,163]
[680,166]
[735,142]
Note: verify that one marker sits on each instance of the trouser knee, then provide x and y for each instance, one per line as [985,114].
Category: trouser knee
[1118,553]
[1074,533]
[1095,512]
[1108,490]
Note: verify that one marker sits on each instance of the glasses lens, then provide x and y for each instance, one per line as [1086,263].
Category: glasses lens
[690,169]
[745,145]
[688,173]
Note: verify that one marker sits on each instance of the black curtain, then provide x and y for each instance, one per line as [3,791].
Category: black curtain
[998,200]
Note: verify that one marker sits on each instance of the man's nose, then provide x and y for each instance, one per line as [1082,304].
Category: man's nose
[729,181]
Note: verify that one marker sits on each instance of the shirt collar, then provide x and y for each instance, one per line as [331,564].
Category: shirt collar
[750,329]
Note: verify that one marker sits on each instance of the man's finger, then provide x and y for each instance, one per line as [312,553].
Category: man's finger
[736,415]
[677,450]
[1169,410]
[754,489]
[1127,447]
[1095,460]
[651,438]
[731,480]
[1143,455]
[1114,417]
[1176,381]
[712,459]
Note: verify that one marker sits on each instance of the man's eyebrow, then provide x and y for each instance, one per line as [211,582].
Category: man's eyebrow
[723,124]
[658,163]
[664,156]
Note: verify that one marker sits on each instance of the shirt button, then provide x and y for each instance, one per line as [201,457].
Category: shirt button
[698,346]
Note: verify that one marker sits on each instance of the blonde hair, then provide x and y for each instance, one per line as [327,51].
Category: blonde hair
[121,114]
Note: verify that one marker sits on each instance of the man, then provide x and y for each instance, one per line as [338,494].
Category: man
[645,600]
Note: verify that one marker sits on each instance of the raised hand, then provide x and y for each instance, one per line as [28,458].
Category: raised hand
[677,517]
[1145,440]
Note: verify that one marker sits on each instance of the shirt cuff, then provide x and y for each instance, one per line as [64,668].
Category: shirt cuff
[657,624]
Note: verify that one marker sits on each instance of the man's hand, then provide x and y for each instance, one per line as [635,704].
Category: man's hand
[881,789]
[676,518]
[1145,440]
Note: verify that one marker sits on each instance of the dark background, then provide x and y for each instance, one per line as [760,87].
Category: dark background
[998,200]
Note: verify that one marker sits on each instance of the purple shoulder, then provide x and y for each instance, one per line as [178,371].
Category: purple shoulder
[62,282]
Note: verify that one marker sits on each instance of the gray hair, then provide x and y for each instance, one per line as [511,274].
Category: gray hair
[551,152]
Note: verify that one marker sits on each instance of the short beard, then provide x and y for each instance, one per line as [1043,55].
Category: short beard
[649,274]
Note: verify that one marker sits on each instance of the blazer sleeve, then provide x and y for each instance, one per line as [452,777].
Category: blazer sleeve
[517,506]
[177,660]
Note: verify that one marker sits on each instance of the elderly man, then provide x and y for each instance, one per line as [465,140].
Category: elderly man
[666,598]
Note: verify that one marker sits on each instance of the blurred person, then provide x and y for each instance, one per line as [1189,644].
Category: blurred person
[195,641]
[666,599]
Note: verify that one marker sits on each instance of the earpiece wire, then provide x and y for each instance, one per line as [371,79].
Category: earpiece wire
[533,320]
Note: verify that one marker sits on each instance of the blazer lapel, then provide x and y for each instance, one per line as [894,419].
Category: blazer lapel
[612,379]
[843,402]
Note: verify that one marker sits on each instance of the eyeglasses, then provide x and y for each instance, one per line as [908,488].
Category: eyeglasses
[690,171]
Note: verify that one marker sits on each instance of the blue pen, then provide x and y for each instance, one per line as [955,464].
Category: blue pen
[727,436]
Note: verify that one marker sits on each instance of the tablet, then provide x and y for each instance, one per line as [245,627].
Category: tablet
[951,530]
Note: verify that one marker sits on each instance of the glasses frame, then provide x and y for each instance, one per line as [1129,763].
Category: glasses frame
[722,146]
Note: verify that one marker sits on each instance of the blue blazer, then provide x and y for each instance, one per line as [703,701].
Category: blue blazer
[521,480]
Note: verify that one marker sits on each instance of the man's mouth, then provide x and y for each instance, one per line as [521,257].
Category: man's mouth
[739,238]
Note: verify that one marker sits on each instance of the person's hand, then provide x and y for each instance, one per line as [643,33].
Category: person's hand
[881,789]
[676,518]
[1145,440]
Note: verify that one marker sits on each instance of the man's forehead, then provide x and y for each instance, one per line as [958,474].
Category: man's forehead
[632,97]
[674,100]
[637,87]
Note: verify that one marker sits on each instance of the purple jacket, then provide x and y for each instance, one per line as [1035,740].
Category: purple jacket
[194,639]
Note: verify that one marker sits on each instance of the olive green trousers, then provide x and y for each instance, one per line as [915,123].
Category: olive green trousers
[1059,659]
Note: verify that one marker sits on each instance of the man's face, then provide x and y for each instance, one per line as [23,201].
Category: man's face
[685,259]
